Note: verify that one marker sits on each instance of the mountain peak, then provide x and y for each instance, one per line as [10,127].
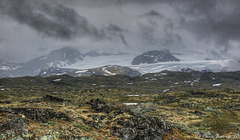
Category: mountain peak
[57,58]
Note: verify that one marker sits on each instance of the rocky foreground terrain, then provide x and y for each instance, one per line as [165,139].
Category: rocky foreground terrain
[166,105]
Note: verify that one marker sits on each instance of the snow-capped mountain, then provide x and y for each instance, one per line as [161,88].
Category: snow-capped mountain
[58,58]
[154,57]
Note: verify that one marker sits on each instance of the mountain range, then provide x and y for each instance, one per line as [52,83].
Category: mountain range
[56,61]
[70,61]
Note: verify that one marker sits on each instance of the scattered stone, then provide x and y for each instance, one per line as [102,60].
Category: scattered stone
[53,99]
[139,127]
[5,102]
[135,127]
[198,113]
[99,106]
[14,126]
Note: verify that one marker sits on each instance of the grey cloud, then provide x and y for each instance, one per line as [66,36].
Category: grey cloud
[56,20]
[214,21]
[158,31]
[126,2]
[210,19]
[153,13]
[50,20]
[215,24]
[115,30]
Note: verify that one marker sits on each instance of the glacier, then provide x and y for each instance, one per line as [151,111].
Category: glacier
[125,60]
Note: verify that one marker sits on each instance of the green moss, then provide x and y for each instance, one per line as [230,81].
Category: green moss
[52,123]
[85,128]
[220,124]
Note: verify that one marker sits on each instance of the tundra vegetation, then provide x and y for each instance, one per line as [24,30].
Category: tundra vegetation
[166,105]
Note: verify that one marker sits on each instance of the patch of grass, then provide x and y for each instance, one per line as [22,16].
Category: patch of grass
[52,123]
[85,128]
[220,124]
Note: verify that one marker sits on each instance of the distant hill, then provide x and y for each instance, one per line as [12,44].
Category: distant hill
[154,57]
[104,71]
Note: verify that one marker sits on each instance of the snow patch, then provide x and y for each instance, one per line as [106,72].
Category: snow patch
[130,103]
[216,85]
[166,90]
[104,69]
[61,73]
[132,95]
[81,71]
[187,82]
[57,80]
[129,83]
[195,81]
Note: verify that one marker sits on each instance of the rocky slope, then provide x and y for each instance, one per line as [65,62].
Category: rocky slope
[154,57]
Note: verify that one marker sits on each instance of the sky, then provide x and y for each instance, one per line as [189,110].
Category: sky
[31,28]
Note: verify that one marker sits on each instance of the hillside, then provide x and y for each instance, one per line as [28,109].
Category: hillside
[104,71]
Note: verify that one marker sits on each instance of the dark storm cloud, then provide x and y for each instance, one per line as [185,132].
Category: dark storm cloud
[216,21]
[50,20]
[56,20]
[222,28]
